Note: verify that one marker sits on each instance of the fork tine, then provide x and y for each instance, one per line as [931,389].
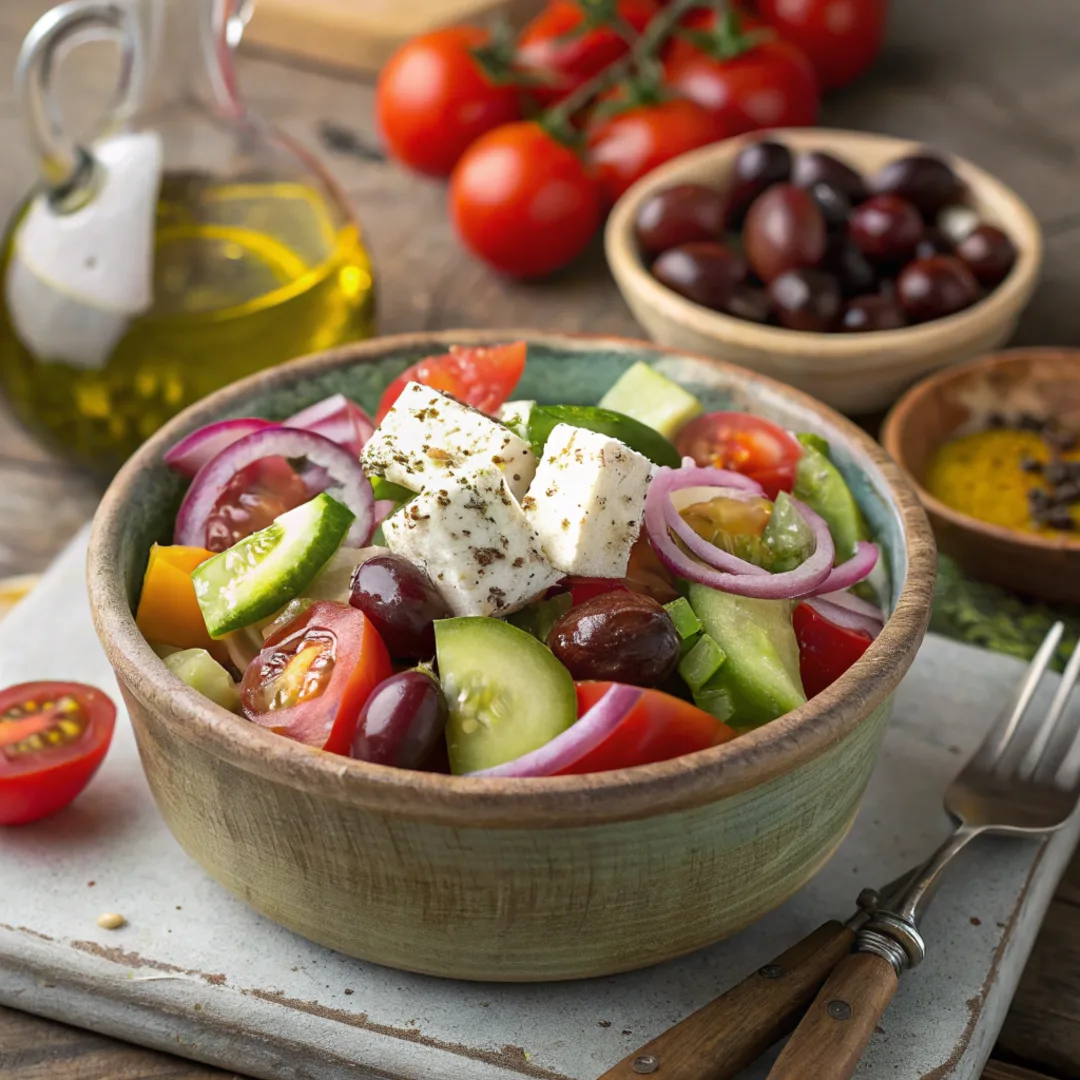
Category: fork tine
[998,739]
[1053,740]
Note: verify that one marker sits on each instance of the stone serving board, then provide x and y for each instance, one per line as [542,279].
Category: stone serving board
[196,972]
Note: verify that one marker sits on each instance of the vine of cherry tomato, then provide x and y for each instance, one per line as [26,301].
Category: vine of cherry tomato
[532,173]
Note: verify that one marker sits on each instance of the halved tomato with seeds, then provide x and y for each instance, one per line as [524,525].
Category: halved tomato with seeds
[53,737]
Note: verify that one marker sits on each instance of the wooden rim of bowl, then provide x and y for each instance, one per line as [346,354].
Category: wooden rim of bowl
[812,351]
[900,416]
[624,794]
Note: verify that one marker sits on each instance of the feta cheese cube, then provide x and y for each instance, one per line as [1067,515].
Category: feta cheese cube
[428,439]
[471,536]
[587,501]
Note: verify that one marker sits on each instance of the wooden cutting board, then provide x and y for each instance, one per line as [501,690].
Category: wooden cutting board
[361,34]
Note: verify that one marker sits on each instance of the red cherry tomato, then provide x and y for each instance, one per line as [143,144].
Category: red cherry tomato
[626,146]
[585,588]
[252,499]
[433,99]
[747,444]
[826,650]
[841,38]
[554,49]
[315,674]
[770,85]
[523,202]
[482,377]
[53,737]
[658,727]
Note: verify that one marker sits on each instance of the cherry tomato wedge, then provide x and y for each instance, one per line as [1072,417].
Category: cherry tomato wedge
[826,650]
[253,498]
[315,674]
[482,377]
[53,737]
[585,588]
[746,444]
[658,727]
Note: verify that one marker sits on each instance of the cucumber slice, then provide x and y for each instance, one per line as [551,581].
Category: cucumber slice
[626,429]
[687,624]
[382,488]
[819,484]
[202,672]
[652,398]
[264,571]
[507,692]
[759,680]
[701,663]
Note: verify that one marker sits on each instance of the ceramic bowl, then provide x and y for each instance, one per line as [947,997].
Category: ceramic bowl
[855,373]
[1043,382]
[508,879]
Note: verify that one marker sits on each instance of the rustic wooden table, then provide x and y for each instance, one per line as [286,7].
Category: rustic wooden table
[994,80]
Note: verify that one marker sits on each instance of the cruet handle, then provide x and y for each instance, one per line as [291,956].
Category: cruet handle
[67,168]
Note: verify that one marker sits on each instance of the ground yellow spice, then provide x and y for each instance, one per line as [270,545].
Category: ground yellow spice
[981,475]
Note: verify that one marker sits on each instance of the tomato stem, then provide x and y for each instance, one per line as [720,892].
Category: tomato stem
[641,53]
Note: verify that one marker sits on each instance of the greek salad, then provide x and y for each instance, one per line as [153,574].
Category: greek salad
[493,587]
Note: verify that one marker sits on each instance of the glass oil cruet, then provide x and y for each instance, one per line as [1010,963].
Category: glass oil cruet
[186,246]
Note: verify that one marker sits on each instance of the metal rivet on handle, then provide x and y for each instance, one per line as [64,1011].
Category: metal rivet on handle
[771,971]
[839,1010]
[647,1063]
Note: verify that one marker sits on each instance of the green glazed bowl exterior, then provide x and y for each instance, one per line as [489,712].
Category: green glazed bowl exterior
[509,880]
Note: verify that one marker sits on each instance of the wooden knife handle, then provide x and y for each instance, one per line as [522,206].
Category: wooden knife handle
[723,1037]
[829,1042]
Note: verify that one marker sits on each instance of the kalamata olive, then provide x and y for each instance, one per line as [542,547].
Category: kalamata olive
[806,300]
[872,313]
[784,230]
[886,229]
[933,242]
[620,636]
[749,302]
[935,287]
[814,167]
[834,205]
[679,215]
[957,221]
[704,272]
[924,180]
[402,604]
[757,167]
[402,721]
[988,253]
[851,267]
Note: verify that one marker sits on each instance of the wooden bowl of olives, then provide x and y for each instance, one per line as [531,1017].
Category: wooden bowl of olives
[843,263]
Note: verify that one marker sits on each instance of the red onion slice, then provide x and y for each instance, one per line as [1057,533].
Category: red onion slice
[721,570]
[834,609]
[851,572]
[191,453]
[576,741]
[346,480]
[338,419]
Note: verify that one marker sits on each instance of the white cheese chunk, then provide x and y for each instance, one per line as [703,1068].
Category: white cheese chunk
[472,538]
[429,439]
[587,501]
[515,415]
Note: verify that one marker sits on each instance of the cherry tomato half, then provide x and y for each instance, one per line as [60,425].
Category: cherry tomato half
[315,674]
[53,737]
[523,202]
[256,495]
[658,727]
[483,377]
[747,444]
[841,38]
[626,146]
[554,48]
[770,85]
[826,650]
[433,99]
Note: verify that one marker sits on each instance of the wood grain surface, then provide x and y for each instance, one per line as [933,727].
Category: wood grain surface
[993,80]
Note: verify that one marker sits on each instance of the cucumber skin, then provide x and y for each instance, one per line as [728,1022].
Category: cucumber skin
[639,437]
[819,484]
[761,670]
[642,383]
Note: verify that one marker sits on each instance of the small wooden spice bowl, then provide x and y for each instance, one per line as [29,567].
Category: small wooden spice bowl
[1042,382]
[505,879]
[854,373]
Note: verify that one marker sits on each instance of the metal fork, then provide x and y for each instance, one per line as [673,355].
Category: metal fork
[1015,783]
